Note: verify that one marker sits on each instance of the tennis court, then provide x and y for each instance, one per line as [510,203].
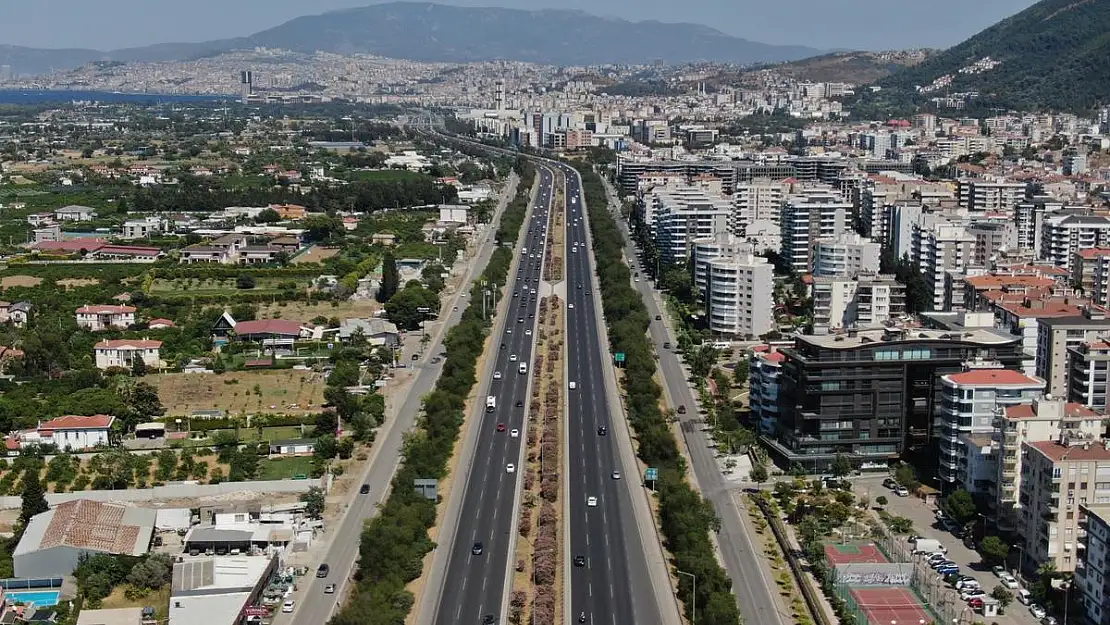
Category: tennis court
[890,605]
[854,553]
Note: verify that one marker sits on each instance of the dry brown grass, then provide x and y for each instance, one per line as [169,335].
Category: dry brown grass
[316,254]
[284,391]
[306,311]
[8,282]
[73,283]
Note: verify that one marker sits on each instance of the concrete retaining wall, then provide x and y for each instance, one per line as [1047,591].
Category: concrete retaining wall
[176,491]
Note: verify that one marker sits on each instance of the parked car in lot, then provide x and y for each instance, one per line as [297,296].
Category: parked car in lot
[902,491]
[1036,610]
[1024,597]
[1009,581]
[890,483]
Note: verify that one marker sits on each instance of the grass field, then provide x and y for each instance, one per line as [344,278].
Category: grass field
[316,254]
[306,311]
[73,283]
[284,468]
[283,391]
[159,600]
[271,434]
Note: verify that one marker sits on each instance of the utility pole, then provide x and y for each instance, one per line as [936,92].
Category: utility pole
[693,597]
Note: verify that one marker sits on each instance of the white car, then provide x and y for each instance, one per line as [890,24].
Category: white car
[512,357]
[591,502]
[571,306]
[1009,581]
[967,595]
[287,607]
[496,375]
[528,332]
[1036,610]
[510,468]
[514,433]
[902,491]
[616,475]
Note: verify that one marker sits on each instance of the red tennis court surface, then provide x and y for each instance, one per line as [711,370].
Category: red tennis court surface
[853,553]
[897,606]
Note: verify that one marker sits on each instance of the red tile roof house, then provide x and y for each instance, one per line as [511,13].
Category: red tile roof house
[69,432]
[56,540]
[97,318]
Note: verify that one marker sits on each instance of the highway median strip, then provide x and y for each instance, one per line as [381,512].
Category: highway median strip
[395,542]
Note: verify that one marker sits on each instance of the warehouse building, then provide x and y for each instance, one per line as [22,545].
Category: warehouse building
[54,541]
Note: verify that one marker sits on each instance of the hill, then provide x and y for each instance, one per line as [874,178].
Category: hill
[851,67]
[439,33]
[1051,56]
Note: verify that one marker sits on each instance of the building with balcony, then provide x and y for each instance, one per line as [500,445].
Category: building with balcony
[1057,478]
[764,369]
[123,353]
[681,216]
[103,317]
[845,256]
[1065,234]
[872,395]
[1057,335]
[737,286]
[1090,270]
[819,214]
[1092,579]
[1088,368]
[862,302]
[970,403]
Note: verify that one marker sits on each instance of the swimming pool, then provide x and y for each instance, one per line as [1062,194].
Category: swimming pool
[37,597]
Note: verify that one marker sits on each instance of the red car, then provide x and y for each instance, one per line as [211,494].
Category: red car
[500,427]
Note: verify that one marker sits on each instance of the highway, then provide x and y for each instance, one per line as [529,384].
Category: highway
[314,606]
[753,592]
[615,569]
[474,584]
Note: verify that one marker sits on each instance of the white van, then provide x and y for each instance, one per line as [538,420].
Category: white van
[1024,597]
[523,368]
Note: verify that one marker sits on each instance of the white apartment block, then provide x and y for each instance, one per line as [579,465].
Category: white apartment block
[124,352]
[1057,478]
[1045,419]
[103,317]
[939,249]
[1088,370]
[860,302]
[1093,578]
[845,256]
[143,228]
[681,216]
[965,419]
[1056,336]
[737,286]
[1065,234]
[1029,217]
[819,214]
[986,196]
[759,200]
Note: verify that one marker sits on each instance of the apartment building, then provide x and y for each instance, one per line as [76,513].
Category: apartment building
[1093,578]
[124,352]
[630,168]
[966,416]
[1057,478]
[1047,418]
[144,228]
[764,369]
[103,317]
[1065,234]
[737,286]
[1088,369]
[759,200]
[938,249]
[1090,271]
[846,255]
[871,394]
[818,214]
[1057,335]
[679,216]
[865,301]
[1029,217]
[986,196]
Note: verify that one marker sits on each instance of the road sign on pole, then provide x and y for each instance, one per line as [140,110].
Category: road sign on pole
[651,474]
[619,357]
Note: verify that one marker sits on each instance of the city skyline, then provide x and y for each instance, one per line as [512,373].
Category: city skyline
[850,24]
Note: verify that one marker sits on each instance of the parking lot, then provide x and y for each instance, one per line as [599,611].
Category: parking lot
[925,524]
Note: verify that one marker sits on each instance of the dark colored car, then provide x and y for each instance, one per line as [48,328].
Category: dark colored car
[602,431]
[682,410]
[579,560]
[477,549]
[365,490]
[323,570]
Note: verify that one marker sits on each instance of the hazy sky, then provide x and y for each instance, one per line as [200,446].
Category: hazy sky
[825,24]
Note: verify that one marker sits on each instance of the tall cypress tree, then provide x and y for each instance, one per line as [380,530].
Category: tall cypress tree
[34,497]
[391,279]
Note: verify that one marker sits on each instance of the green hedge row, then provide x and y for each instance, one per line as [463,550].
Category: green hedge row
[685,517]
[395,542]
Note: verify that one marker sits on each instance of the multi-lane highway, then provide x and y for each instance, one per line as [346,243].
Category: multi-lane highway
[601,523]
[473,587]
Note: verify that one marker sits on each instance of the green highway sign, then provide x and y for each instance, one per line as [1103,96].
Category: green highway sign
[651,474]
[619,356]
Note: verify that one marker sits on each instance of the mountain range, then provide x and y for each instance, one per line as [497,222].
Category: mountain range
[1055,55]
[422,31]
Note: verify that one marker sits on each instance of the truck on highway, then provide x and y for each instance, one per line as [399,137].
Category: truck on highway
[491,403]
[928,545]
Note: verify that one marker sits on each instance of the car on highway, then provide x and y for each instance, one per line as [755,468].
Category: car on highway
[364,490]
[602,431]
[520,319]
[666,344]
[477,548]
[520,403]
[323,571]
[570,306]
[489,619]
[329,589]
[512,357]
[500,427]
[579,560]
[616,475]
[528,332]
[510,468]
[658,317]
[591,502]
[514,433]
[287,607]
[682,410]
[496,375]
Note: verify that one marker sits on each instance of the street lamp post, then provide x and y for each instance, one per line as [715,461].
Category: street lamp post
[693,596]
[423,310]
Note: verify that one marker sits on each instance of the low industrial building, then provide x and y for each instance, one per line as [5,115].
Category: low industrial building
[55,540]
[214,591]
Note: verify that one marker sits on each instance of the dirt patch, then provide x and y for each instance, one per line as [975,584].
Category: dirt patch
[73,283]
[306,311]
[316,255]
[284,391]
[8,282]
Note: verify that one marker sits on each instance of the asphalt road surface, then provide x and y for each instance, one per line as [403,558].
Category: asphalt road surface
[753,592]
[474,585]
[606,534]
[315,606]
